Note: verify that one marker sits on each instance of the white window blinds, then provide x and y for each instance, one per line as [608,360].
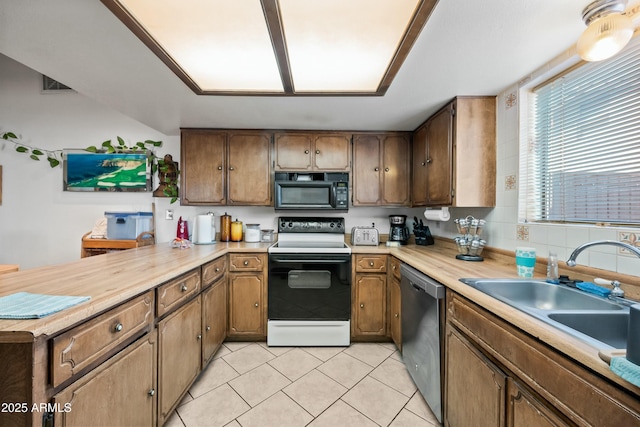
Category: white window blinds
[583,154]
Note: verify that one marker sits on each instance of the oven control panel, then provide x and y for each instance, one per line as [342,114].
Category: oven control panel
[289,224]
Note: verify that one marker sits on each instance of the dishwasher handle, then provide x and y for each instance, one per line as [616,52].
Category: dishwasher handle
[424,282]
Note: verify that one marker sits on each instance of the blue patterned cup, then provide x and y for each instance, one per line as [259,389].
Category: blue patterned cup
[525,261]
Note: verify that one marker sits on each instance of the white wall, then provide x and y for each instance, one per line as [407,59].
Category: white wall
[39,223]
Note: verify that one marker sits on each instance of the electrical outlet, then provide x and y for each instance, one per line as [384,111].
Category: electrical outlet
[168,214]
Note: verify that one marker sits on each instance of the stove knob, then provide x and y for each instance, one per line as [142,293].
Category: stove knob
[290,225]
[332,225]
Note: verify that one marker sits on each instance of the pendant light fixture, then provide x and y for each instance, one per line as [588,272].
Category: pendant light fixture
[608,30]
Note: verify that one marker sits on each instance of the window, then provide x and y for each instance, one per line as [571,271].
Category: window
[582,159]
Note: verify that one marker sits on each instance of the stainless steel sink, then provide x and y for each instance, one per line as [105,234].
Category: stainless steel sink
[598,321]
[609,328]
[540,295]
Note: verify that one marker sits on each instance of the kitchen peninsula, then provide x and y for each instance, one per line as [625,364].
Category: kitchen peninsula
[126,331]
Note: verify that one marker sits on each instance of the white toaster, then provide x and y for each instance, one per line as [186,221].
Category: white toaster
[365,236]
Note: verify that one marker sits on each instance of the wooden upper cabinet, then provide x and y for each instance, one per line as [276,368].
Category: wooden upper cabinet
[249,171]
[305,151]
[225,168]
[454,155]
[381,164]
[203,167]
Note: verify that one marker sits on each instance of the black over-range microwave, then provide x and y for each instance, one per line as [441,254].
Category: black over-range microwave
[312,191]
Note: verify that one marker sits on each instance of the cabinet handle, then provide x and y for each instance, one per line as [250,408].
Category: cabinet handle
[429,160]
[199,337]
[217,269]
[118,327]
[361,305]
[209,327]
[231,168]
[184,288]
[306,151]
[423,163]
[152,392]
[397,315]
[371,264]
[376,169]
[317,151]
[219,168]
[386,169]
[256,304]
[246,263]
[393,266]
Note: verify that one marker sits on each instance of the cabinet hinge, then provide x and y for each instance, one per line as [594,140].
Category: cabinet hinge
[453,193]
[453,110]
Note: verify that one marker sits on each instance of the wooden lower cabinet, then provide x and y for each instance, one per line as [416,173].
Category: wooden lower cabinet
[496,375]
[247,296]
[369,308]
[119,392]
[526,409]
[474,391]
[214,319]
[369,297]
[179,355]
[395,301]
[395,312]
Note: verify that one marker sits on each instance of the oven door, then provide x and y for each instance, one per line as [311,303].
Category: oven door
[308,286]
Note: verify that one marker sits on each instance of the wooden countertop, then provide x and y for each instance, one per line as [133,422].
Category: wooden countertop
[108,279]
[116,277]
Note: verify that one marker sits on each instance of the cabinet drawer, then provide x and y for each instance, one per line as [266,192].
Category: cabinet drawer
[213,270]
[371,263]
[394,264]
[246,262]
[174,293]
[80,347]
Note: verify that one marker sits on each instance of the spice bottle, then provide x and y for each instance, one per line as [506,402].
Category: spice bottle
[236,231]
[225,227]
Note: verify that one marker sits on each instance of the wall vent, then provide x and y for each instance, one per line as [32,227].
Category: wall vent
[50,85]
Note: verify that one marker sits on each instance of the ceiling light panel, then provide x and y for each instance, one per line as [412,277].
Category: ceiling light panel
[222,45]
[343,46]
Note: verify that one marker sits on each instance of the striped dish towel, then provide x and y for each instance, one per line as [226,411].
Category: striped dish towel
[25,305]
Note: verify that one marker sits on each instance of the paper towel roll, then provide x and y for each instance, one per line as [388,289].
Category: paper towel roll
[441,214]
[203,229]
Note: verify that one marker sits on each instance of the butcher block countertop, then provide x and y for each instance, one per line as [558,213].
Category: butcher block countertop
[113,278]
[108,279]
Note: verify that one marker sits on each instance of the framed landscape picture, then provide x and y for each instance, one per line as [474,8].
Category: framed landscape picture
[85,171]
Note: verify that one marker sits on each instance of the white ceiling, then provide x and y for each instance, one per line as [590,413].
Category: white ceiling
[468,47]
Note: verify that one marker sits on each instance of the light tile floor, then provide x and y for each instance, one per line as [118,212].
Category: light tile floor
[250,384]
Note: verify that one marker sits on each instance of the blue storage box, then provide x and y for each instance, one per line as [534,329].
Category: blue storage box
[127,225]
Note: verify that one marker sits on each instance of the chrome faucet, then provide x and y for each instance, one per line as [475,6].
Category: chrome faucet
[571,262]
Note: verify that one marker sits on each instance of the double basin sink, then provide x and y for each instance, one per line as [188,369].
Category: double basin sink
[598,321]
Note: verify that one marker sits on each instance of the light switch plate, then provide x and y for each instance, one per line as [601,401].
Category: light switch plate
[168,214]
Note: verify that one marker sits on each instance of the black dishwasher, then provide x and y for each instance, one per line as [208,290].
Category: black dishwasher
[422,299]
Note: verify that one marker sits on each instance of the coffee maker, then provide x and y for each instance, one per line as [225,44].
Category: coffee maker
[398,231]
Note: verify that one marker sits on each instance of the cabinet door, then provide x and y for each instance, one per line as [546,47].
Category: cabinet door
[203,168]
[419,167]
[249,169]
[440,158]
[119,392]
[332,152]
[214,319]
[395,301]
[366,170]
[293,151]
[179,355]
[527,409]
[247,311]
[395,172]
[369,307]
[475,389]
